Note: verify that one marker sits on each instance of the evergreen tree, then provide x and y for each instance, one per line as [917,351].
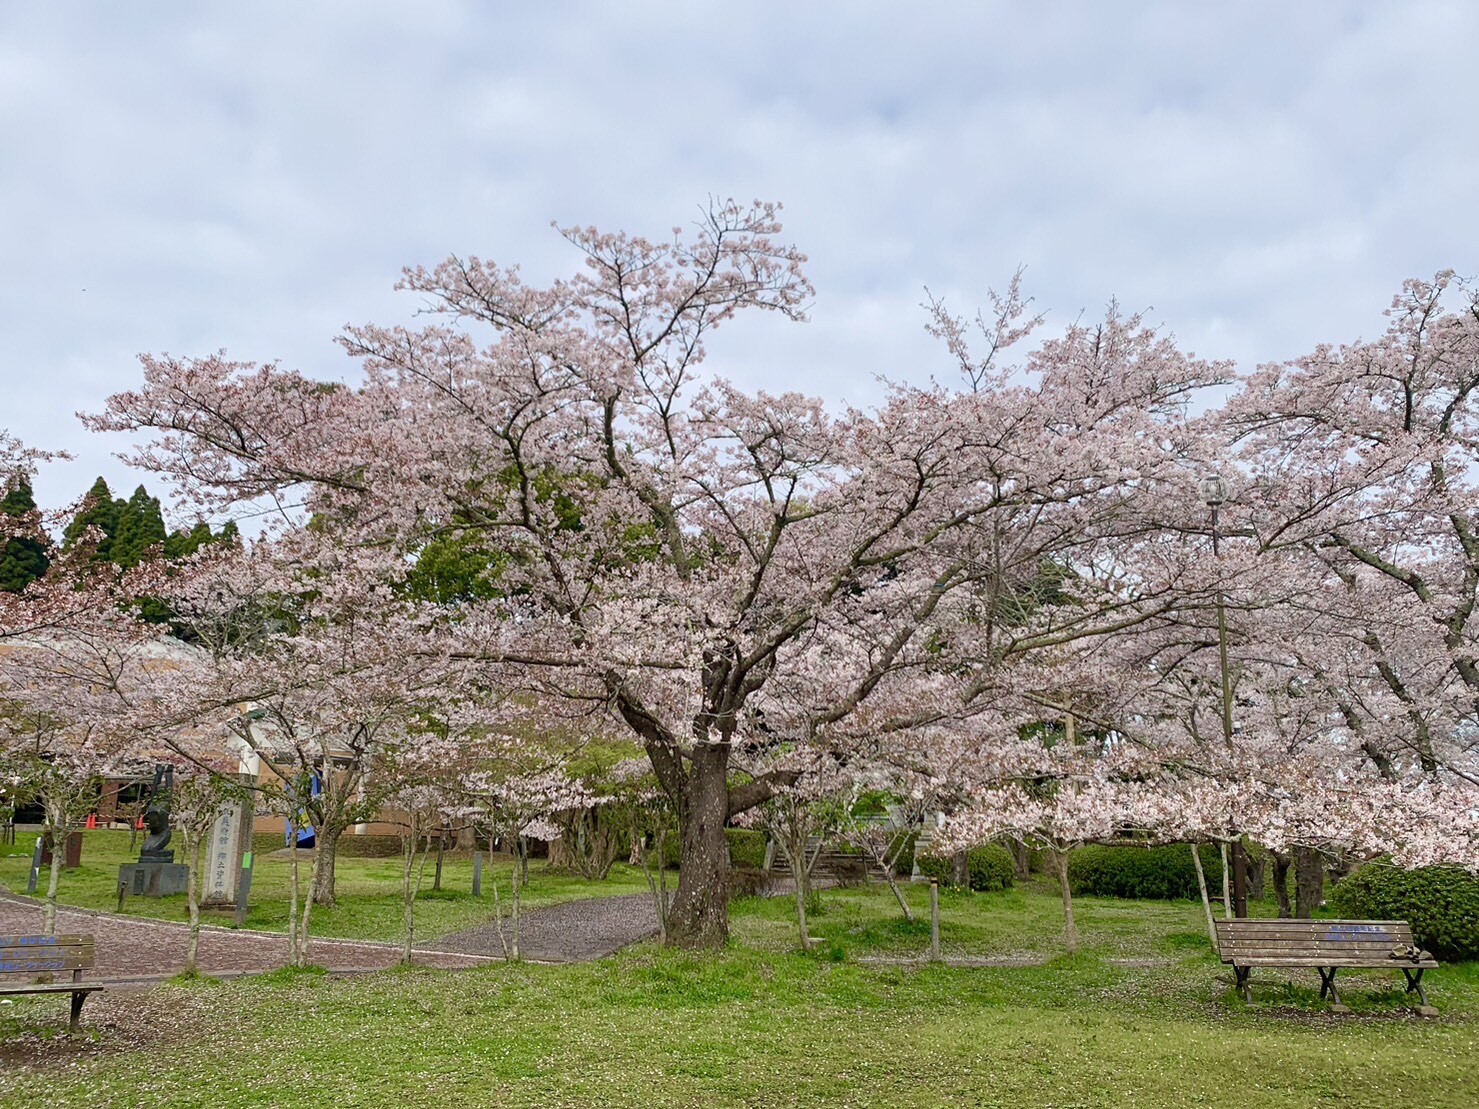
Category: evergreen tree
[99,509]
[22,559]
[140,526]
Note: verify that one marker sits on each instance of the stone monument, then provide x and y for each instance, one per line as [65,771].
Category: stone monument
[156,874]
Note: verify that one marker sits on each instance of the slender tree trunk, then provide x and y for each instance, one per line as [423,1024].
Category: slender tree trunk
[700,911]
[1196,859]
[1309,881]
[295,950]
[796,848]
[317,856]
[195,844]
[54,880]
[1227,898]
[409,888]
[656,882]
[326,854]
[960,869]
[1070,929]
[1281,884]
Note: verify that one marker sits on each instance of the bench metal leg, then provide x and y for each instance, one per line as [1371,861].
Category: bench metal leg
[1241,975]
[1327,988]
[1415,985]
[77,1000]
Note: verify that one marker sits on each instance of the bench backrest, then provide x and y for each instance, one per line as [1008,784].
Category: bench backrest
[1300,938]
[42,954]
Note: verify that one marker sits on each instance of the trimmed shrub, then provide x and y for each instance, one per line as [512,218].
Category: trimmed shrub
[1153,873]
[937,867]
[991,868]
[749,881]
[746,847]
[1440,902]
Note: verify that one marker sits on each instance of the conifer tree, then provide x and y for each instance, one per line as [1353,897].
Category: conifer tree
[140,527]
[99,509]
[23,559]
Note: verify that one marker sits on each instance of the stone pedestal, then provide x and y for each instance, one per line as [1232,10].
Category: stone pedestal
[151,878]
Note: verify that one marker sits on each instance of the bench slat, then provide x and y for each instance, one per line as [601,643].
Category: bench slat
[76,987]
[1332,961]
[65,940]
[41,966]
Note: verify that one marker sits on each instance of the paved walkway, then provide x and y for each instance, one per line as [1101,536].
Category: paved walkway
[574,932]
[134,948]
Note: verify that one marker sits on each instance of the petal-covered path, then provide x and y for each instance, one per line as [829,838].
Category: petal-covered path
[136,948]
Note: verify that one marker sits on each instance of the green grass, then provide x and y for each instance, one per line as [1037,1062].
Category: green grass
[368,891]
[761,1024]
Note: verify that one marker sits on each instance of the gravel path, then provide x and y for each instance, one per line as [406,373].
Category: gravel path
[134,949]
[574,932]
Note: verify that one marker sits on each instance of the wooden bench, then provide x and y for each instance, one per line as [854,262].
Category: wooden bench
[1327,946]
[37,955]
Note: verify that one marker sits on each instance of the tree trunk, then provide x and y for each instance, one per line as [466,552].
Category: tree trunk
[58,851]
[1257,874]
[1070,929]
[960,869]
[1227,893]
[326,853]
[798,875]
[295,950]
[700,912]
[1196,858]
[1021,859]
[1281,884]
[195,844]
[1309,881]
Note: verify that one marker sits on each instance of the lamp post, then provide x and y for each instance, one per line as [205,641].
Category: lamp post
[1214,494]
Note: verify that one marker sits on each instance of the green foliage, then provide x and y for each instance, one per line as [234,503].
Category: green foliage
[452,568]
[140,528]
[99,510]
[990,868]
[938,867]
[746,847]
[1440,902]
[22,559]
[1156,873]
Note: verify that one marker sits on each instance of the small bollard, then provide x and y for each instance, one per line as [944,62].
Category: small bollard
[934,920]
[477,874]
[35,869]
[122,893]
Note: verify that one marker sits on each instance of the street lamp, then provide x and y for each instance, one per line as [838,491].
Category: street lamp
[1214,492]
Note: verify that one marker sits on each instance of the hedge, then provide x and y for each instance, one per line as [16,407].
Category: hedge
[1440,902]
[1151,873]
[746,847]
[990,868]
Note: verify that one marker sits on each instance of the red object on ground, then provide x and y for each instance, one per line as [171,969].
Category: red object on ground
[92,821]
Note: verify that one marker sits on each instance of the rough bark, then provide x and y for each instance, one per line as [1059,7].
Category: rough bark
[1281,884]
[327,851]
[58,851]
[960,869]
[1021,859]
[1309,881]
[1257,875]
[700,911]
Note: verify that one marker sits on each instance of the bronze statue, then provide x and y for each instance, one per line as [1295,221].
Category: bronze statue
[156,817]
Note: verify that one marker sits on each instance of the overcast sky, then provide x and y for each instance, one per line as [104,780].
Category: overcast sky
[186,177]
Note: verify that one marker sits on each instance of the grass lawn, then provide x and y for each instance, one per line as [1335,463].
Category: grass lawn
[1144,1015]
[368,890]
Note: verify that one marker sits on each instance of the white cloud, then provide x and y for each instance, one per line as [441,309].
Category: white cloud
[1260,176]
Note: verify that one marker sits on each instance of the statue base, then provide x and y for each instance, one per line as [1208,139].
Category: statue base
[154,878]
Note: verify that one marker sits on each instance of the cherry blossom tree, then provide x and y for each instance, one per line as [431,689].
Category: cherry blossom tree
[724,572]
